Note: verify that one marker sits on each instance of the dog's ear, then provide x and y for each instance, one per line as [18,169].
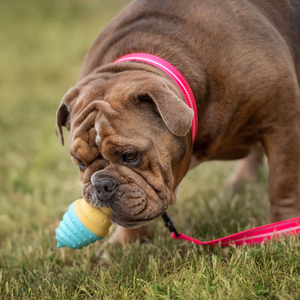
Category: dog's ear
[176,114]
[63,113]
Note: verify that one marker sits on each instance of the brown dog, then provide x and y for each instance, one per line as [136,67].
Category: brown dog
[130,127]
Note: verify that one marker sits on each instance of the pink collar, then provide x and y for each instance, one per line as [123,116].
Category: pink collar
[175,75]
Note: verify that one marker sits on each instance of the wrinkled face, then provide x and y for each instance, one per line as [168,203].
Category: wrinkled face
[128,158]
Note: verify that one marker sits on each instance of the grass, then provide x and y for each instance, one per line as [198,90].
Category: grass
[42,46]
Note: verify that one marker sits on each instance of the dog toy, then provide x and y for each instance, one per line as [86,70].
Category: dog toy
[82,225]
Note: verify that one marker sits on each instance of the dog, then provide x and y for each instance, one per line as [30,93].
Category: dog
[130,129]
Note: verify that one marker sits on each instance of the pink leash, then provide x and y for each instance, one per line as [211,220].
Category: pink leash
[254,236]
[258,235]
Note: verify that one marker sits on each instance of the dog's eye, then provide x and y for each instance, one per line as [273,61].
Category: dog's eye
[130,156]
[81,165]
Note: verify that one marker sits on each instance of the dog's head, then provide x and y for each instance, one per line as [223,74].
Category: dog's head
[129,136]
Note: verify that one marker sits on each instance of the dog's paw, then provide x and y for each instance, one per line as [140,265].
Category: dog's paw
[122,236]
[126,236]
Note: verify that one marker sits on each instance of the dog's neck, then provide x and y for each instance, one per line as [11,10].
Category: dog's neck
[171,71]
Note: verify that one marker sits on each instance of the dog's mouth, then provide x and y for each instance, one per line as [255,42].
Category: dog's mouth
[133,200]
[131,206]
[122,220]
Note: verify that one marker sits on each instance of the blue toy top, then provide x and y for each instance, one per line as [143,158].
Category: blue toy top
[72,233]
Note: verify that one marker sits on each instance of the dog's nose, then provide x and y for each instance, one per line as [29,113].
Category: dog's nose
[105,188]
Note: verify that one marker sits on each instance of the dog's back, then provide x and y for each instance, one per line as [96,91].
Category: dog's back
[196,24]
[296,29]
[285,16]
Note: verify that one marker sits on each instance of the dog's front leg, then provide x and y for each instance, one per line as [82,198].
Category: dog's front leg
[283,151]
[246,170]
[124,236]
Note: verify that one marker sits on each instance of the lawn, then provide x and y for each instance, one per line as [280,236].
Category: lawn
[43,44]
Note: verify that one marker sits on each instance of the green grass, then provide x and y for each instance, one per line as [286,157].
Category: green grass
[42,46]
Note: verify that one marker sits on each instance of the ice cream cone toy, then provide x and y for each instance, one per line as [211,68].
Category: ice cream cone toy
[82,225]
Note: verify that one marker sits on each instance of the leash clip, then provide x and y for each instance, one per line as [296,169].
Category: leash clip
[169,224]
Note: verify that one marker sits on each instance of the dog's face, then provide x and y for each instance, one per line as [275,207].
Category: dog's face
[129,138]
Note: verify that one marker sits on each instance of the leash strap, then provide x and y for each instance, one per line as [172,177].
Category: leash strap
[254,236]
[174,74]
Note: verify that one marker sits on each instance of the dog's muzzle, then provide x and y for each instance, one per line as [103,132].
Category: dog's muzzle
[127,200]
